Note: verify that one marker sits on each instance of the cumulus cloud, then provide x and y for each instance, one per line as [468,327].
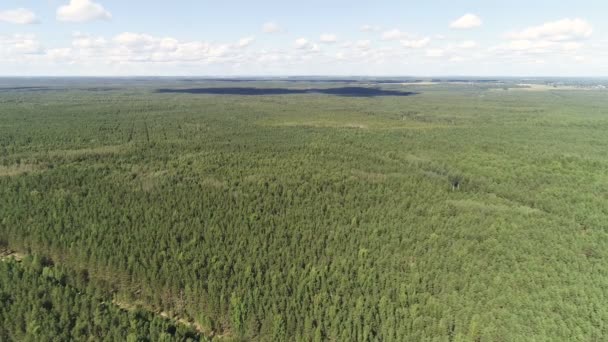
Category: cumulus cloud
[370,28]
[132,52]
[80,11]
[125,50]
[130,46]
[417,43]
[21,16]
[561,30]
[328,38]
[580,58]
[301,42]
[536,47]
[394,34]
[557,38]
[467,21]
[458,52]
[61,55]
[244,42]
[435,53]
[271,27]
[363,44]
[134,40]
[20,44]
[469,44]
[85,41]
[305,44]
[571,46]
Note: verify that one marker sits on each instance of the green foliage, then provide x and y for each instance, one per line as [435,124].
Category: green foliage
[313,217]
[38,307]
[238,314]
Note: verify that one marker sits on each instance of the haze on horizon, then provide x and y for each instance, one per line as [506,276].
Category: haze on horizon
[187,37]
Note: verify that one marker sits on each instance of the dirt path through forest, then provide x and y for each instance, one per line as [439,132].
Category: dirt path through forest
[6,254]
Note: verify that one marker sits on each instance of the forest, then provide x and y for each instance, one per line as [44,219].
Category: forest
[194,210]
[40,302]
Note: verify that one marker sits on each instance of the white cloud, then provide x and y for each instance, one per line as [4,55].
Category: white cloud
[129,47]
[133,52]
[363,44]
[416,44]
[580,58]
[133,40]
[20,44]
[61,55]
[370,28]
[328,38]
[558,38]
[571,46]
[84,41]
[456,59]
[19,16]
[469,44]
[467,21]
[301,43]
[80,11]
[536,47]
[271,27]
[394,34]
[525,46]
[561,30]
[304,44]
[435,53]
[244,42]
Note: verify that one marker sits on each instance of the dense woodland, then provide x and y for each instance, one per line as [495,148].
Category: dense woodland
[40,303]
[461,213]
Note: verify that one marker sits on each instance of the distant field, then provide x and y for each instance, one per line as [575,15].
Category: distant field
[276,210]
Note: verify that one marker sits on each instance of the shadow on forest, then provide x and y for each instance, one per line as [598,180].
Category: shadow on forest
[344,91]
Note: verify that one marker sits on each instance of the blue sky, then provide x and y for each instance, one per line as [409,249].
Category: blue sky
[187,37]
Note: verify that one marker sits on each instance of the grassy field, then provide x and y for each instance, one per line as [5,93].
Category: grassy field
[460,212]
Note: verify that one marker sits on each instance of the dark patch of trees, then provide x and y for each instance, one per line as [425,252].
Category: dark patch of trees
[256,91]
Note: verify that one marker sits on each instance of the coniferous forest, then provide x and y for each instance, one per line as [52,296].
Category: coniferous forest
[160,210]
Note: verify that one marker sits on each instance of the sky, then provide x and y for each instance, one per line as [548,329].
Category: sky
[313,37]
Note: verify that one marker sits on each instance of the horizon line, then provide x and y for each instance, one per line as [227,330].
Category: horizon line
[297,75]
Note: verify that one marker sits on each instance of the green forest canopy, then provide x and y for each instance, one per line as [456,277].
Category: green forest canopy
[308,216]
